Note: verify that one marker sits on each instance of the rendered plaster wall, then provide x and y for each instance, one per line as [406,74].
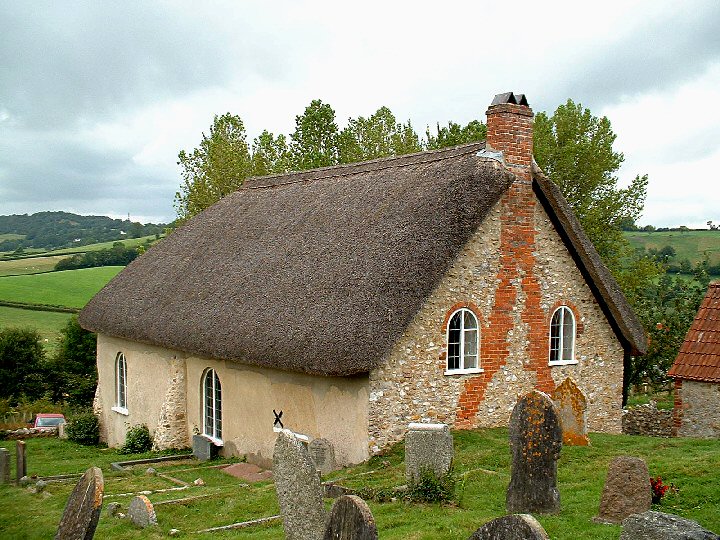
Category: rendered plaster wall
[514,307]
[154,397]
[700,402]
[335,408]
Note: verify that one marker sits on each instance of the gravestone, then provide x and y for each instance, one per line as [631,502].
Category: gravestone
[20,461]
[82,510]
[427,447]
[652,525]
[298,488]
[203,448]
[62,432]
[141,512]
[512,527]
[572,410]
[350,519]
[322,453]
[4,466]
[627,490]
[535,444]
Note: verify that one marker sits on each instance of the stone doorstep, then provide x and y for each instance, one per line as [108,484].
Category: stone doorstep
[247,472]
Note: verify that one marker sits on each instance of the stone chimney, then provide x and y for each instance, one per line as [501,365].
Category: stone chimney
[510,131]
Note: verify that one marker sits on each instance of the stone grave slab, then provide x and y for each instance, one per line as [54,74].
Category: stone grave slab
[247,472]
[572,410]
[427,446]
[83,507]
[4,466]
[20,461]
[512,527]
[652,525]
[141,512]
[203,448]
[298,488]
[350,519]
[535,444]
[322,452]
[627,490]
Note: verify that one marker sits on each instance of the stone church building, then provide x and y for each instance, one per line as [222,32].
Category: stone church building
[432,287]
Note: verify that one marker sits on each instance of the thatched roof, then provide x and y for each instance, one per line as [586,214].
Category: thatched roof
[318,271]
[321,271]
[606,290]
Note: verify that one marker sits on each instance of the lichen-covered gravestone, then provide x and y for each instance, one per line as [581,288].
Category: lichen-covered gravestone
[535,444]
[82,510]
[4,466]
[298,489]
[141,512]
[626,491]
[427,447]
[512,527]
[350,519]
[322,453]
[20,461]
[572,410]
[660,526]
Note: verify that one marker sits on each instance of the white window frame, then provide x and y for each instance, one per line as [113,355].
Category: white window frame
[564,311]
[462,370]
[208,431]
[121,385]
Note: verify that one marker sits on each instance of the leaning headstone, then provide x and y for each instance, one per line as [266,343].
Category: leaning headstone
[322,453]
[427,447]
[535,443]
[652,525]
[298,488]
[141,512]
[626,491]
[512,527]
[113,509]
[203,448]
[20,461]
[4,466]
[350,519]
[82,510]
[572,410]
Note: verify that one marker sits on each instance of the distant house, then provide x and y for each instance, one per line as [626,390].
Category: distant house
[696,371]
[431,287]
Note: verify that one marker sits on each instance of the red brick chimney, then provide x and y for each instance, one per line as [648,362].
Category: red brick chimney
[510,130]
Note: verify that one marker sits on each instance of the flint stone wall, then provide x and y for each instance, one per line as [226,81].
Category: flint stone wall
[171,431]
[700,411]
[409,385]
[647,420]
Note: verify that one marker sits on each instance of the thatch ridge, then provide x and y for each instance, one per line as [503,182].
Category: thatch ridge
[318,271]
[606,290]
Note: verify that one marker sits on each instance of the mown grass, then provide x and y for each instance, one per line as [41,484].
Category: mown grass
[71,288]
[36,265]
[48,324]
[482,466]
[691,245]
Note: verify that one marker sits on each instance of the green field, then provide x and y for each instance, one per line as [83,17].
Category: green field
[482,469]
[35,265]
[48,324]
[691,245]
[71,288]
[11,236]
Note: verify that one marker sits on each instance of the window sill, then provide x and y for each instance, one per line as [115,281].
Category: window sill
[464,371]
[215,441]
[121,410]
[563,363]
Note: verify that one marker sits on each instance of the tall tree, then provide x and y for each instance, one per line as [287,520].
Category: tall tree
[575,149]
[21,364]
[270,154]
[72,372]
[454,134]
[314,143]
[378,136]
[217,167]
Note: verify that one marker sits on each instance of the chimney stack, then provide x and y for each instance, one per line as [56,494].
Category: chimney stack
[510,131]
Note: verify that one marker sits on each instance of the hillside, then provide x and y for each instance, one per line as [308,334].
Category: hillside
[690,245]
[54,230]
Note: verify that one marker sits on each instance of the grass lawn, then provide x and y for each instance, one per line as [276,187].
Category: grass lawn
[691,245]
[48,324]
[482,467]
[71,288]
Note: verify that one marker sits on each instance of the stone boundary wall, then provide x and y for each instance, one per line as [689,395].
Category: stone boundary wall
[647,420]
[27,433]
[696,410]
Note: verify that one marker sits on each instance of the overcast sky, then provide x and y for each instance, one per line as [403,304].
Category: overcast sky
[97,98]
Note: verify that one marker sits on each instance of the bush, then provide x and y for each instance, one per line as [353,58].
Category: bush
[137,440]
[431,488]
[84,429]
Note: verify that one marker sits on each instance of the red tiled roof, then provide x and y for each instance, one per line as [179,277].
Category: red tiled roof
[699,356]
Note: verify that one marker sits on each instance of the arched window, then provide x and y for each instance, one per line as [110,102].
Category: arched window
[212,405]
[462,342]
[120,384]
[562,336]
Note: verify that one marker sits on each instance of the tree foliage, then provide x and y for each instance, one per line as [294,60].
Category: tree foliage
[21,364]
[377,136]
[314,143]
[454,134]
[72,372]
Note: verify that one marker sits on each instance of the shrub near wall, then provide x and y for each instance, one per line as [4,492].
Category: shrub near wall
[84,429]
